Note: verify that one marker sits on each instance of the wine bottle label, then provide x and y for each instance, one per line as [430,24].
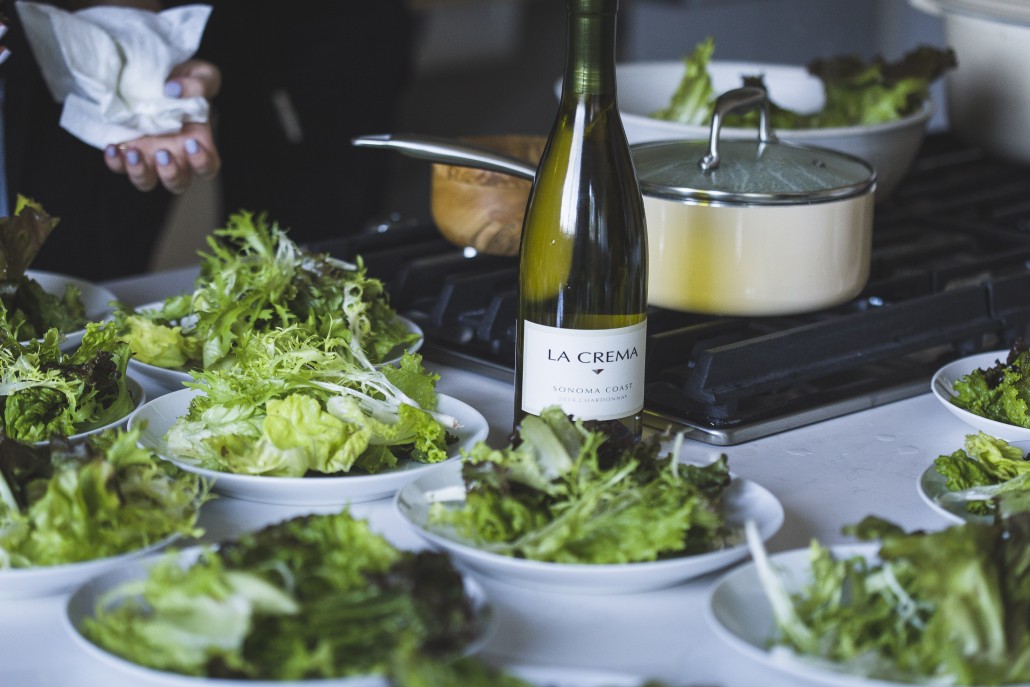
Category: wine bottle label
[593,374]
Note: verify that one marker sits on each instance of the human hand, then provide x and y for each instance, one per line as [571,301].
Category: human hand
[173,160]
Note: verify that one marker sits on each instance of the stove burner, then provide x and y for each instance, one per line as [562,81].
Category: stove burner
[950,276]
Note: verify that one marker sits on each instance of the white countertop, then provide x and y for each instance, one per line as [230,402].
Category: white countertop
[826,475]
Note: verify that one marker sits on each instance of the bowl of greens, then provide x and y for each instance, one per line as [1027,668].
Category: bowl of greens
[45,300]
[943,607]
[578,507]
[987,475]
[319,600]
[255,278]
[293,421]
[72,510]
[48,392]
[989,391]
[873,110]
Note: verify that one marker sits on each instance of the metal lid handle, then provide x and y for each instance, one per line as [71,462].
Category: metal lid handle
[731,101]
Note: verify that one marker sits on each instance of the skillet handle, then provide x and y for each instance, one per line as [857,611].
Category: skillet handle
[731,101]
[448,151]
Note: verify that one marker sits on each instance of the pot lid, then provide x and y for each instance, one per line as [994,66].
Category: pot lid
[750,172]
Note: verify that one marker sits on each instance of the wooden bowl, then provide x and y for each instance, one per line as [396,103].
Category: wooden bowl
[483,209]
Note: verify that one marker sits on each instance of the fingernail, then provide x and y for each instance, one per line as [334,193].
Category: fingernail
[132,156]
[3,29]
[173,89]
[111,151]
[163,158]
[192,147]
[4,54]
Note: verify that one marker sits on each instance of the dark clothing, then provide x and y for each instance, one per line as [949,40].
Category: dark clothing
[339,66]
[107,228]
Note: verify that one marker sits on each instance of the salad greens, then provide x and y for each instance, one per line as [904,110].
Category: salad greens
[66,503]
[856,92]
[254,278]
[571,491]
[985,470]
[316,596]
[1000,392]
[45,392]
[947,607]
[292,405]
[29,310]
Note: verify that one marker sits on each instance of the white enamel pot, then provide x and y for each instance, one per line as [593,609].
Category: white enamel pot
[766,228]
[754,227]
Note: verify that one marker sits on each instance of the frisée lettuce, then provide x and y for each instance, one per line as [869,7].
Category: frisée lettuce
[67,503]
[292,405]
[571,491]
[254,278]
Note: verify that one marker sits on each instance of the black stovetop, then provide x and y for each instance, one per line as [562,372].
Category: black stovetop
[950,276]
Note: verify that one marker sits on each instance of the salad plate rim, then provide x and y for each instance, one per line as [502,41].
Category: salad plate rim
[361,486]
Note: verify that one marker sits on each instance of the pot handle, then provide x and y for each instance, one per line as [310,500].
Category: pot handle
[731,101]
[448,151]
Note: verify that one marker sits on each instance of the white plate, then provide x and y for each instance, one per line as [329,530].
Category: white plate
[162,412]
[554,676]
[138,395]
[96,299]
[932,486]
[745,500]
[82,603]
[739,613]
[173,380]
[23,583]
[941,385]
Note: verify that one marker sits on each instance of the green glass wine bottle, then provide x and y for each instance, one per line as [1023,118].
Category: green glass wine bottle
[582,305]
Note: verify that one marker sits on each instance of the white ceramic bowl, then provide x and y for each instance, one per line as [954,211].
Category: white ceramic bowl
[645,87]
[988,93]
[96,299]
[942,386]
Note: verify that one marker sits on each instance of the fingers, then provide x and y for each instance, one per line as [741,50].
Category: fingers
[192,79]
[172,161]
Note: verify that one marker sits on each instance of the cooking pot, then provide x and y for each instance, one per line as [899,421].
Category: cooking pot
[988,93]
[748,227]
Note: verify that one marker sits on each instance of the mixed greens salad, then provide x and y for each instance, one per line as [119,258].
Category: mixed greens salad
[316,596]
[987,474]
[856,92]
[572,491]
[67,503]
[28,310]
[945,607]
[292,404]
[1000,392]
[254,278]
[45,392]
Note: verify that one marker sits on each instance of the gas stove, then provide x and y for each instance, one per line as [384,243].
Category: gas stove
[950,276]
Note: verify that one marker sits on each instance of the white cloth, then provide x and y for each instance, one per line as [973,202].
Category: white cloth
[108,65]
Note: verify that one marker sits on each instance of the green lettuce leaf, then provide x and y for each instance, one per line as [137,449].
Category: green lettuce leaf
[560,493]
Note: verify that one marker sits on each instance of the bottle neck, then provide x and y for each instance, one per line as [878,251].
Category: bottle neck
[590,53]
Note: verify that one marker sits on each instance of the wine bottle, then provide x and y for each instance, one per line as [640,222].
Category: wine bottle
[582,304]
